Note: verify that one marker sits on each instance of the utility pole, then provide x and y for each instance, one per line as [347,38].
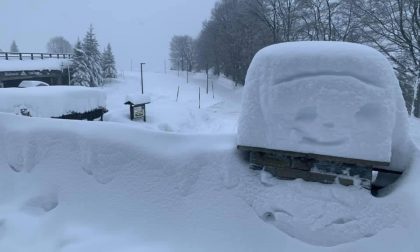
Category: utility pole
[141,70]
[164,63]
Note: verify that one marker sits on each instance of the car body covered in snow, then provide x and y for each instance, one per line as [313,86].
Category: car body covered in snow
[31,83]
[325,98]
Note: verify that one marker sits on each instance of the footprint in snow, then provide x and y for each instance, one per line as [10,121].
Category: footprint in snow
[41,204]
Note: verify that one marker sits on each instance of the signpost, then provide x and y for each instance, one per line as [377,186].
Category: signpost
[141,70]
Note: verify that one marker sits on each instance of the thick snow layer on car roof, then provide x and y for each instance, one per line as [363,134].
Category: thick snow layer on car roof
[329,98]
[52,101]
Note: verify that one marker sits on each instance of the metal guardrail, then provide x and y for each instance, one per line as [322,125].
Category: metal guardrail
[32,56]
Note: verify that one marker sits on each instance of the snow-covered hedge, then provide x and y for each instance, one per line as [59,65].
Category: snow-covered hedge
[328,98]
[52,101]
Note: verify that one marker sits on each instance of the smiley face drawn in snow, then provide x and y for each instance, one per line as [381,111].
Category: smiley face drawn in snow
[325,111]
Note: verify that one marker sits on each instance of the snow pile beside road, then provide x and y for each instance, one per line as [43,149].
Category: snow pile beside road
[52,101]
[329,98]
[75,185]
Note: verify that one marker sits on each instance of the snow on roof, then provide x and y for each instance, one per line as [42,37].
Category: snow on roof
[137,99]
[52,101]
[31,65]
[329,98]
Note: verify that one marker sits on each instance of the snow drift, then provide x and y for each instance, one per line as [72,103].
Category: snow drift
[328,98]
[69,185]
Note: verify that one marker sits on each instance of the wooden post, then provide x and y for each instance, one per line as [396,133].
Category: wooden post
[7,56]
[32,56]
[212,88]
[207,75]
[42,56]
[177,94]
[20,56]
[68,72]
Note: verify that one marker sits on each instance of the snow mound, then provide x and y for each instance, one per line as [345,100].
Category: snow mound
[189,192]
[329,98]
[52,101]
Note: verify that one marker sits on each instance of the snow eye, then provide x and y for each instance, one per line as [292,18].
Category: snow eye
[307,114]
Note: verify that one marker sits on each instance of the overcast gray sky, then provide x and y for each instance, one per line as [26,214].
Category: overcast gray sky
[137,29]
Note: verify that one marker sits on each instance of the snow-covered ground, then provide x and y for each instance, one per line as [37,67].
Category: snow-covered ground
[165,113]
[177,183]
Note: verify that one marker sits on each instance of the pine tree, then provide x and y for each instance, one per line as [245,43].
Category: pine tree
[80,74]
[108,63]
[93,56]
[14,48]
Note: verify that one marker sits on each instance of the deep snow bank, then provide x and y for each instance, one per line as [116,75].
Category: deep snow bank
[51,101]
[329,98]
[76,185]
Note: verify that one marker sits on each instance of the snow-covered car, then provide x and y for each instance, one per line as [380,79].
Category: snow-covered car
[318,110]
[29,83]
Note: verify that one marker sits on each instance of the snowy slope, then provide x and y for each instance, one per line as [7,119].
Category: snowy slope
[165,113]
[131,186]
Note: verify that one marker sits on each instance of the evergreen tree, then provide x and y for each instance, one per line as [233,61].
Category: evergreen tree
[80,74]
[14,48]
[93,57]
[108,63]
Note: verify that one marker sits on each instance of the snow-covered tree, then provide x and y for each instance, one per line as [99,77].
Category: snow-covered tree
[80,70]
[14,48]
[59,45]
[108,63]
[93,57]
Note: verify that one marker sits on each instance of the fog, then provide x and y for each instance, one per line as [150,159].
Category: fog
[139,31]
